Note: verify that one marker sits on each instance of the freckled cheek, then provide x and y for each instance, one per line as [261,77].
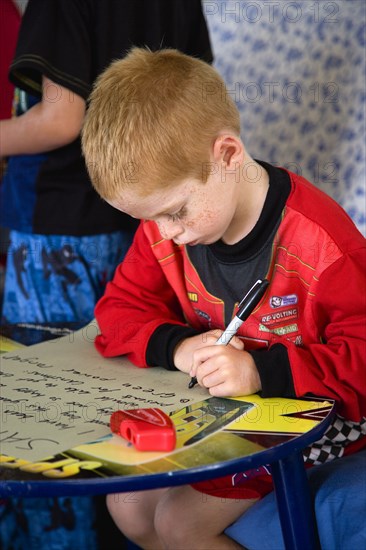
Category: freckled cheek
[208,218]
[162,230]
[202,216]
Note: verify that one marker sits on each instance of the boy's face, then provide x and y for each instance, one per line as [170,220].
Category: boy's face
[189,213]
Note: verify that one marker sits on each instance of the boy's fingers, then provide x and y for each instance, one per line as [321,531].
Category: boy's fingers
[202,364]
[237,343]
[222,390]
[211,337]
[203,354]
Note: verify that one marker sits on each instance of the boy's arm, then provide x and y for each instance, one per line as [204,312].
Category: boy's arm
[137,302]
[52,123]
[334,367]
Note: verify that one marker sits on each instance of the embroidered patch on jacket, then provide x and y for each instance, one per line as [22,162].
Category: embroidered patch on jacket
[279,316]
[282,301]
[202,314]
[280,331]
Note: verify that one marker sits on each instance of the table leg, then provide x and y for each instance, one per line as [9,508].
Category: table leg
[295,507]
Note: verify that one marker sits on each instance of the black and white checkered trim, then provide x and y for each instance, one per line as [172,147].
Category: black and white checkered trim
[339,434]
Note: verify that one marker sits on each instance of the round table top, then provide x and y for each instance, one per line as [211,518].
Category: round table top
[227,436]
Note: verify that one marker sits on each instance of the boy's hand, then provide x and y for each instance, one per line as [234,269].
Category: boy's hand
[226,371]
[183,353]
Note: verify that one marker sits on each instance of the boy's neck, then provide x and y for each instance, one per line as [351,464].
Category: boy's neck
[252,189]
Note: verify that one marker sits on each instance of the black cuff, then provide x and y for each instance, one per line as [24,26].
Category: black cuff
[274,371]
[162,343]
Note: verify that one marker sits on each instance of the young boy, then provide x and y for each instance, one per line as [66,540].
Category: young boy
[162,143]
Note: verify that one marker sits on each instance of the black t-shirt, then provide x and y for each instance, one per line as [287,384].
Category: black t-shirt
[72,42]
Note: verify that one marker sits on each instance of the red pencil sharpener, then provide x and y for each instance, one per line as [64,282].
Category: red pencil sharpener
[146,429]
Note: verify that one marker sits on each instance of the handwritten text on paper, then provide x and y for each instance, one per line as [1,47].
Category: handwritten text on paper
[59,394]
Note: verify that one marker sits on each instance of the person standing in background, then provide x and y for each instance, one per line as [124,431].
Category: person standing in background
[65,242]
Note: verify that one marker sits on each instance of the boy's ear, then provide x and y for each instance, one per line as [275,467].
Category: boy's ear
[228,149]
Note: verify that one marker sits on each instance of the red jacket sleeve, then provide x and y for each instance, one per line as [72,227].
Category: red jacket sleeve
[336,367]
[137,301]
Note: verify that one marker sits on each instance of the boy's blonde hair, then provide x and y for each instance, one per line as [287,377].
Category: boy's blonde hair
[151,122]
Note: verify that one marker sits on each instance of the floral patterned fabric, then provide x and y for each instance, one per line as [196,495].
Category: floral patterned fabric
[297,73]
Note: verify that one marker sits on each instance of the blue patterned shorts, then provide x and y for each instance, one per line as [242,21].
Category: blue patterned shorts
[51,279]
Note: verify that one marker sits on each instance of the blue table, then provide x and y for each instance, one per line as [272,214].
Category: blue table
[281,451]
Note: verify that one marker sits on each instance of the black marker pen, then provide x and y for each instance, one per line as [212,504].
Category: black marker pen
[246,306]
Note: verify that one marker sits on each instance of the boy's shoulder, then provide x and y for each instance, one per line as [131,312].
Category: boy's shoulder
[321,215]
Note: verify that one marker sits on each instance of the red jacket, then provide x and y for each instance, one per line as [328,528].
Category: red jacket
[315,304]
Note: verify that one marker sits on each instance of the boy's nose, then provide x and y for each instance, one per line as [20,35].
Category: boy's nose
[170,230]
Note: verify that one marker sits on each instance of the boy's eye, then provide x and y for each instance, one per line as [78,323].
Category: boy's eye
[178,215]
